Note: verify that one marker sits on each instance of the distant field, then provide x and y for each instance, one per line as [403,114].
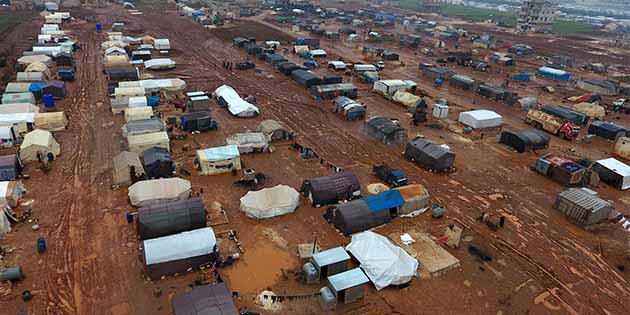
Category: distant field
[477,14]
[7,22]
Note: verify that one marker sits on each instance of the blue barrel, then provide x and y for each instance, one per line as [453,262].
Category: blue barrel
[41,245]
[439,82]
[99,28]
[49,101]
[129,217]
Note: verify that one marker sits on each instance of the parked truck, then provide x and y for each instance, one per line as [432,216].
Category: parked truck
[392,176]
[552,124]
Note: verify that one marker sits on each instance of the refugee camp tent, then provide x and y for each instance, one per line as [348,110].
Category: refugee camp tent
[140,142]
[55,88]
[275,59]
[197,101]
[116,62]
[155,191]
[22,121]
[590,109]
[38,141]
[385,130]
[480,119]
[162,44]
[270,202]
[552,73]
[525,140]
[601,87]
[140,56]
[138,101]
[16,108]
[121,74]
[429,155]
[463,82]
[8,136]
[613,172]
[157,163]
[607,130]
[287,67]
[162,219]
[331,189]
[416,199]
[273,131]
[159,64]
[27,60]
[11,192]
[38,67]
[332,79]
[30,77]
[137,113]
[17,87]
[51,121]
[356,216]
[330,91]
[389,87]
[348,108]
[206,297]
[306,78]
[10,167]
[124,165]
[63,59]
[227,96]
[383,262]
[178,253]
[142,126]
[113,43]
[218,160]
[249,142]
[115,51]
[14,98]
[408,100]
[494,93]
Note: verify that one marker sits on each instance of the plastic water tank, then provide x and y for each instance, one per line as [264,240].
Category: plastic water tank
[327,300]
[99,28]
[310,273]
[49,101]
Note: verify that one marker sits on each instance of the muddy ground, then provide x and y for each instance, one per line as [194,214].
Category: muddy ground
[542,264]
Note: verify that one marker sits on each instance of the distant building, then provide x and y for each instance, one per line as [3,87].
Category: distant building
[537,16]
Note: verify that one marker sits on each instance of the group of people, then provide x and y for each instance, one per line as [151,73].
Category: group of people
[228,65]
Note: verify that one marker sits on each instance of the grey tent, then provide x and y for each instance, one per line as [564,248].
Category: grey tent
[273,131]
[168,218]
[56,88]
[355,216]
[10,167]
[385,130]
[525,140]
[429,155]
[306,78]
[123,74]
[493,92]
[211,299]
[288,67]
[331,189]
[463,82]
[330,91]
[127,167]
[158,163]
[142,126]
[275,59]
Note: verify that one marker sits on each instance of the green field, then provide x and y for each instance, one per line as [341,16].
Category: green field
[477,14]
[7,22]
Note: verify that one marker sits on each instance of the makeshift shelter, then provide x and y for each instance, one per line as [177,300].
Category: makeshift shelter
[197,121]
[142,126]
[332,79]
[126,168]
[416,199]
[123,74]
[38,141]
[494,93]
[355,216]
[525,140]
[178,253]
[275,59]
[306,78]
[115,51]
[55,88]
[389,87]
[385,130]
[331,189]
[137,113]
[408,100]
[10,167]
[140,142]
[11,192]
[330,91]
[552,73]
[22,121]
[273,131]
[140,56]
[155,191]
[218,160]
[383,262]
[591,110]
[162,44]
[157,163]
[480,119]
[327,263]
[287,67]
[622,148]
[463,82]
[613,172]
[197,101]
[159,64]
[27,60]
[211,299]
[583,206]
[227,97]
[163,219]
[601,87]
[348,108]
[17,87]
[249,142]
[116,62]
[15,98]
[30,77]
[429,155]
[17,108]
[63,59]
[8,136]
[38,67]
[270,202]
[344,288]
[51,121]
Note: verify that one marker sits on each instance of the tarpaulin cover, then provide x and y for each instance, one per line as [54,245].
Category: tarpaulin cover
[236,105]
[156,190]
[481,118]
[212,299]
[170,218]
[408,99]
[384,201]
[384,263]
[590,109]
[270,202]
[179,246]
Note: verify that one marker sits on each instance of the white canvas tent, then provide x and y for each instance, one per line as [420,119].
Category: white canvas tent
[479,119]
[18,108]
[159,190]
[27,60]
[235,104]
[249,142]
[38,141]
[140,143]
[270,202]
[122,164]
[383,262]
[138,113]
[218,160]
[159,64]
[162,44]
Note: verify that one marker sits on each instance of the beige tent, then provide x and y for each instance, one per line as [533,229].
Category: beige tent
[10,193]
[139,143]
[122,167]
[18,108]
[159,190]
[138,113]
[38,67]
[270,202]
[52,121]
[272,130]
[113,43]
[129,92]
[410,101]
[416,199]
[148,40]
[590,109]
[38,141]
[114,62]
[218,160]
[27,60]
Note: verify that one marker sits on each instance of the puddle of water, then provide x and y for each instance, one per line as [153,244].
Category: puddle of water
[259,268]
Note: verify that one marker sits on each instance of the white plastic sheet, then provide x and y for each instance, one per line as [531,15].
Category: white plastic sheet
[270,202]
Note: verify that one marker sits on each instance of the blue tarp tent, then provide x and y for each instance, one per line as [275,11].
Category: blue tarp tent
[521,77]
[554,74]
[384,201]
